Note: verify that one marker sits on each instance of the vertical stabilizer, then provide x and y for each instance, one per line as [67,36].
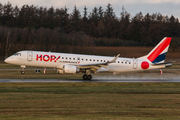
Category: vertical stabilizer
[158,54]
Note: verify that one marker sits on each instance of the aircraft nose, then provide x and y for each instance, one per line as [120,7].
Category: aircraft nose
[7,60]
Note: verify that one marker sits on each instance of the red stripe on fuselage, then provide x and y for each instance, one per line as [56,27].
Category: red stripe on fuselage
[159,49]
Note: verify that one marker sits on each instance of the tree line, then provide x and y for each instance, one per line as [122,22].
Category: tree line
[42,28]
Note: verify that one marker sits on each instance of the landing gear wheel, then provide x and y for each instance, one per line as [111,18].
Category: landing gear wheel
[22,72]
[89,77]
[84,77]
[23,69]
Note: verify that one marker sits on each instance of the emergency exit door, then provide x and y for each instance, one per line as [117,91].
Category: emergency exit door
[78,60]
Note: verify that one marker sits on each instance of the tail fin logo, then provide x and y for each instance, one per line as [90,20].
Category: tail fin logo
[158,54]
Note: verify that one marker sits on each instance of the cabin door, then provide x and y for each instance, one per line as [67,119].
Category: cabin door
[29,55]
[135,63]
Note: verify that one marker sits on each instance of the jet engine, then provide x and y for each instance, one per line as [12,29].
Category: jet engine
[70,69]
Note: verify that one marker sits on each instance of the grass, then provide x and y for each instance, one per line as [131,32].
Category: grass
[89,101]
[79,101]
[52,74]
[101,101]
[30,74]
[124,51]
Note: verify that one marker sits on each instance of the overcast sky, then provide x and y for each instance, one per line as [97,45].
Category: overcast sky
[165,7]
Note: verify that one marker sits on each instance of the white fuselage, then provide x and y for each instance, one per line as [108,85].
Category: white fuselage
[58,60]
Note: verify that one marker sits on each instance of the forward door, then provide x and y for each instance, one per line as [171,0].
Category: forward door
[29,56]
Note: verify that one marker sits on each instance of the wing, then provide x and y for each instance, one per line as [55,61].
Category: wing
[97,66]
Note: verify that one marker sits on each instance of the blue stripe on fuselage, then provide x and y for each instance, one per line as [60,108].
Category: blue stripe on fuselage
[160,58]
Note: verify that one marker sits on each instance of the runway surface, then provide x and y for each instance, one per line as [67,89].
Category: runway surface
[140,80]
[135,78]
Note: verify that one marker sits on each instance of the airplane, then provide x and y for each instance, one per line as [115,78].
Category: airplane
[74,63]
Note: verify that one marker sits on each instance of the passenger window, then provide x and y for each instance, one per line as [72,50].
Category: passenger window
[86,59]
[70,58]
[62,57]
[104,61]
[73,58]
[66,58]
[118,61]
[94,60]
[101,60]
[122,62]
[97,60]
[78,59]
[82,59]
[90,59]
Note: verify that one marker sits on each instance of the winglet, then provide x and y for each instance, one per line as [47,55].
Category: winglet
[114,59]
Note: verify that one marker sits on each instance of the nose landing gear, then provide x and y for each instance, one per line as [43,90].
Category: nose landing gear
[22,72]
[23,69]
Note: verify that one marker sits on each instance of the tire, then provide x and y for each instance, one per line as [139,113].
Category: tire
[89,77]
[85,77]
[22,72]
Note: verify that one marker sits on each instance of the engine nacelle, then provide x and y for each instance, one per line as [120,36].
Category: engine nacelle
[70,69]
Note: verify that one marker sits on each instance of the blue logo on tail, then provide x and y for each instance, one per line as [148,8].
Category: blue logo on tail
[160,58]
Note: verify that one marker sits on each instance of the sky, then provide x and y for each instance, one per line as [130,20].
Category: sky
[165,7]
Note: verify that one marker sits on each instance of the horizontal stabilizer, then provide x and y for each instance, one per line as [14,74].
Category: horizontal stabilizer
[167,64]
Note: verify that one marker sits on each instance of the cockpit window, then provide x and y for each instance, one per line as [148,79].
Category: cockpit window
[17,54]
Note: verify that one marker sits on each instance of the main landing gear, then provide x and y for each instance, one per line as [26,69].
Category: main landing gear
[87,76]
